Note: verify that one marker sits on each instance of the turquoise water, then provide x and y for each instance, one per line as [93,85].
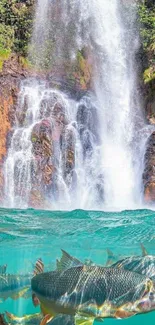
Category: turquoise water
[26,235]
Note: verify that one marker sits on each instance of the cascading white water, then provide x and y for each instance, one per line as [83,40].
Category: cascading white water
[107,128]
[116,37]
[20,163]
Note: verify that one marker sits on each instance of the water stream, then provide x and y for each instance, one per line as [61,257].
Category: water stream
[105,129]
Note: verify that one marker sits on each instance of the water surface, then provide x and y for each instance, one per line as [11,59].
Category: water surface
[26,235]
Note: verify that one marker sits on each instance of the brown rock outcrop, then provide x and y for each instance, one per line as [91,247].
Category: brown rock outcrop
[68,156]
[149,95]
[149,170]
[10,77]
[53,140]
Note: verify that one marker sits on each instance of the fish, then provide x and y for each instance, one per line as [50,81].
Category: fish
[144,264]
[2,320]
[92,292]
[3,269]
[67,261]
[15,286]
[34,319]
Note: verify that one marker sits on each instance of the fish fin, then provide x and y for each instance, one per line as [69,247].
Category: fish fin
[47,318]
[58,265]
[44,311]
[120,314]
[27,293]
[3,269]
[67,261]
[110,258]
[39,267]
[19,294]
[9,315]
[3,278]
[89,262]
[84,321]
[144,251]
[35,300]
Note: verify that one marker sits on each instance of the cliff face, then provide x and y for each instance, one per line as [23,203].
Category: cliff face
[16,18]
[147,20]
[147,29]
[10,77]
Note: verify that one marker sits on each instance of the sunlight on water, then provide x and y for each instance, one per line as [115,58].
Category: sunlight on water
[26,235]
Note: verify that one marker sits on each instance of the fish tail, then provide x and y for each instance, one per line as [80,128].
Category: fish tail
[9,315]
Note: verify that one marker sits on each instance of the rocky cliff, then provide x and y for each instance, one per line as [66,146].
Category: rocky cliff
[16,18]
[11,74]
[147,20]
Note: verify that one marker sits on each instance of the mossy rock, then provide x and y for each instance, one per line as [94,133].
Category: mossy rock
[4,55]
[149,74]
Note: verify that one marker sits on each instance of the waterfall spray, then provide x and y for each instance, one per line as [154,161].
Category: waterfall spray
[94,156]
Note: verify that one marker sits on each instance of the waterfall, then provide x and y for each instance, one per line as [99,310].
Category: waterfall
[93,158]
[116,37]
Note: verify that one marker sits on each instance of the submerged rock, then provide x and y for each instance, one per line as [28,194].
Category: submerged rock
[149,170]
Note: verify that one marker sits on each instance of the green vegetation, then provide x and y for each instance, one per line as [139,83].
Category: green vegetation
[15,26]
[16,18]
[4,55]
[147,20]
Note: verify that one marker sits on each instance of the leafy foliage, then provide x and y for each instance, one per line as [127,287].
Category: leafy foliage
[147,21]
[15,25]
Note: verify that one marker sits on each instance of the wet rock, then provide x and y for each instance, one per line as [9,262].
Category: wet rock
[47,173]
[59,113]
[149,96]
[87,122]
[52,138]
[9,89]
[42,168]
[149,170]
[21,114]
[41,138]
[1,183]
[68,155]
[36,198]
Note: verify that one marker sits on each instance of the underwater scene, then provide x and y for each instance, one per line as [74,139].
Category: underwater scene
[93,237]
[77,162]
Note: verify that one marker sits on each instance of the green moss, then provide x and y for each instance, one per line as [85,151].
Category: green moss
[25,62]
[4,55]
[147,31]
[149,74]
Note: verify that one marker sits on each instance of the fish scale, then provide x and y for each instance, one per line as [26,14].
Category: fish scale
[83,284]
[144,265]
